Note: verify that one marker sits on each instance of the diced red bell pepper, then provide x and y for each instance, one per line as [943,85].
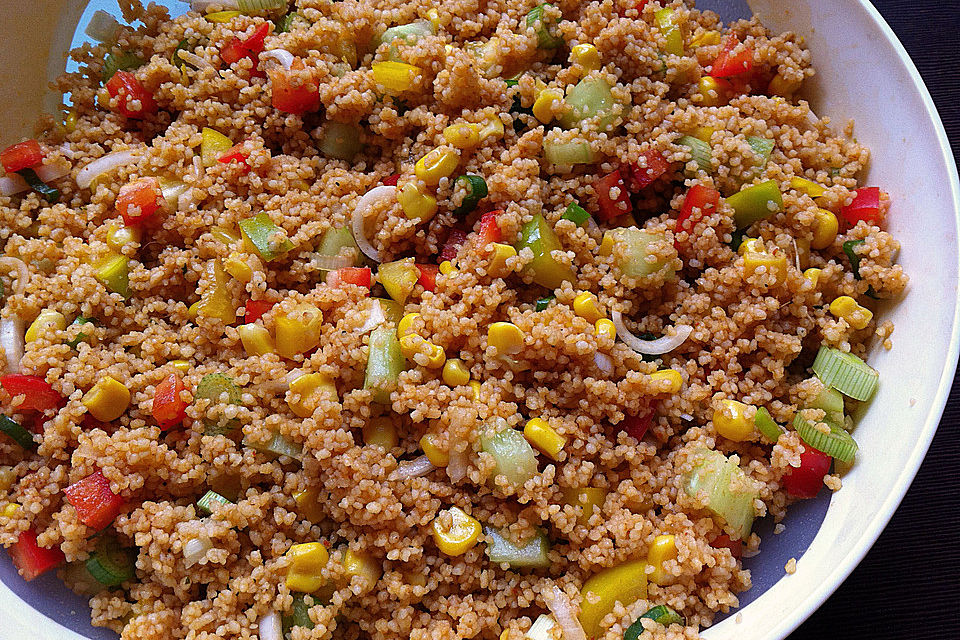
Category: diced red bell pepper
[733,59]
[699,201]
[32,560]
[253,310]
[638,425]
[139,200]
[126,88]
[298,98]
[612,197]
[250,47]
[489,228]
[169,409]
[643,177]
[38,395]
[235,154]
[865,206]
[806,480]
[451,247]
[724,541]
[428,276]
[22,155]
[391,181]
[97,506]
[360,276]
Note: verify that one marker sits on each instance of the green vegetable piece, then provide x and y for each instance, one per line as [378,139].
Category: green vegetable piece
[766,425]
[341,141]
[81,582]
[576,214]
[515,458]
[831,401]
[114,273]
[111,564]
[175,58]
[514,81]
[212,387]
[384,364]
[398,278]
[261,235]
[762,148]
[591,97]
[392,310]
[81,337]
[633,262]
[539,237]
[667,23]
[41,188]
[545,27]
[299,615]
[409,33]
[251,7]
[206,503]
[756,202]
[285,24]
[837,444]
[339,241]
[532,553]
[476,188]
[701,151]
[850,248]
[661,614]
[278,445]
[569,153]
[123,61]
[17,433]
[729,493]
[846,373]
[543,303]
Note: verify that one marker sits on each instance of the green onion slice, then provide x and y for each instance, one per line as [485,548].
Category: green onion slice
[569,153]
[476,188]
[729,492]
[81,337]
[17,433]
[837,444]
[123,61]
[544,26]
[48,193]
[577,214]
[846,373]
[212,387]
[210,498]
[532,553]
[261,6]
[341,140]
[701,151]
[277,445]
[110,564]
[661,614]
[766,425]
[285,23]
[543,303]
[762,147]
[850,248]
[299,616]
[175,58]
[756,202]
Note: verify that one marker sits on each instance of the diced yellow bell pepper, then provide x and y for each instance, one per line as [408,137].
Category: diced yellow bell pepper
[585,306]
[114,273]
[215,301]
[213,144]
[224,235]
[416,204]
[673,378]
[107,400]
[505,337]
[308,391]
[455,532]
[544,437]
[182,366]
[587,498]
[398,278]
[434,17]
[357,563]
[731,421]
[436,165]
[395,77]
[605,327]
[780,86]
[776,264]
[498,259]
[119,236]
[825,227]
[307,563]
[625,583]
[848,309]
[808,187]
[664,548]
[751,244]
[308,505]
[710,90]
[462,135]
[256,340]
[11,510]
[237,267]
[585,55]
[706,38]
[298,330]
[438,457]
[382,432]
[221,16]
[45,319]
[455,373]
[704,133]
[475,386]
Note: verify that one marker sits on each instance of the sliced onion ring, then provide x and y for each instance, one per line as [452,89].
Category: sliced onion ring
[413,468]
[330,263]
[104,164]
[657,347]
[564,613]
[374,318]
[364,205]
[19,269]
[11,339]
[270,627]
[282,56]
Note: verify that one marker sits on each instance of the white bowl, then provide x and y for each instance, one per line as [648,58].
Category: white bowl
[862,73]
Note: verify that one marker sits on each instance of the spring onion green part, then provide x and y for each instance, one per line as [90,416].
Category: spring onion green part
[45,191]
[532,553]
[409,33]
[476,188]
[837,444]
[765,424]
[384,364]
[17,433]
[667,23]
[277,445]
[299,615]
[341,141]
[569,153]
[261,6]
[110,564]
[285,23]
[831,401]
[515,458]
[661,614]
[762,147]
[701,151]
[846,373]
[576,214]
[81,337]
[339,243]
[103,27]
[850,248]
[123,61]
[756,202]
[209,499]
[729,493]
[540,629]
[212,387]
[545,27]
[543,303]
[591,99]
[514,81]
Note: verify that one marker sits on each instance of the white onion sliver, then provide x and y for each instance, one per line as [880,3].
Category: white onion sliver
[563,612]
[375,318]
[195,550]
[282,56]
[103,27]
[657,347]
[330,263]
[457,467]
[18,268]
[194,60]
[14,184]
[270,627]
[363,207]
[11,339]
[103,164]
[603,362]
[413,468]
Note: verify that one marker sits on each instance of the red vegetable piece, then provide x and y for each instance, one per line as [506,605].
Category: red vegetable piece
[865,206]
[169,409]
[724,541]
[612,197]
[699,201]
[391,181]
[360,276]
[139,200]
[294,93]
[489,229]
[643,177]
[237,49]
[253,310]
[32,560]
[127,89]
[22,155]
[733,59]
[38,395]
[451,247]
[235,154]
[806,480]
[97,506]
[428,276]
[638,425]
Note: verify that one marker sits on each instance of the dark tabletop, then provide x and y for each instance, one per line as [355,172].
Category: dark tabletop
[909,584]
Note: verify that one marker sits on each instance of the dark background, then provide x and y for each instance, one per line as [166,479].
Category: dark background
[908,586]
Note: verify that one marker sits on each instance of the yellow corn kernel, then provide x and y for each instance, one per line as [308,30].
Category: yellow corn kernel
[604,327]
[221,16]
[193,310]
[8,476]
[381,432]
[412,344]
[505,337]
[825,227]
[455,532]
[588,499]
[672,376]
[664,548]
[308,505]
[543,105]
[754,245]
[298,330]
[492,127]
[704,133]
[808,187]
[585,306]
[498,259]
[107,400]
[434,18]
[455,373]
[438,457]
[119,236]
[215,301]
[731,421]
[437,164]
[776,264]
[70,121]
[237,267]
[312,389]
[710,91]
[462,135]
[45,319]
[306,564]
[11,510]
[405,326]
[416,204]
[475,387]
[395,77]
[542,436]
[414,579]
[182,366]
[707,38]
[357,563]
[256,340]
[447,268]
[606,244]
[585,55]
[813,275]
[780,86]
[848,309]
